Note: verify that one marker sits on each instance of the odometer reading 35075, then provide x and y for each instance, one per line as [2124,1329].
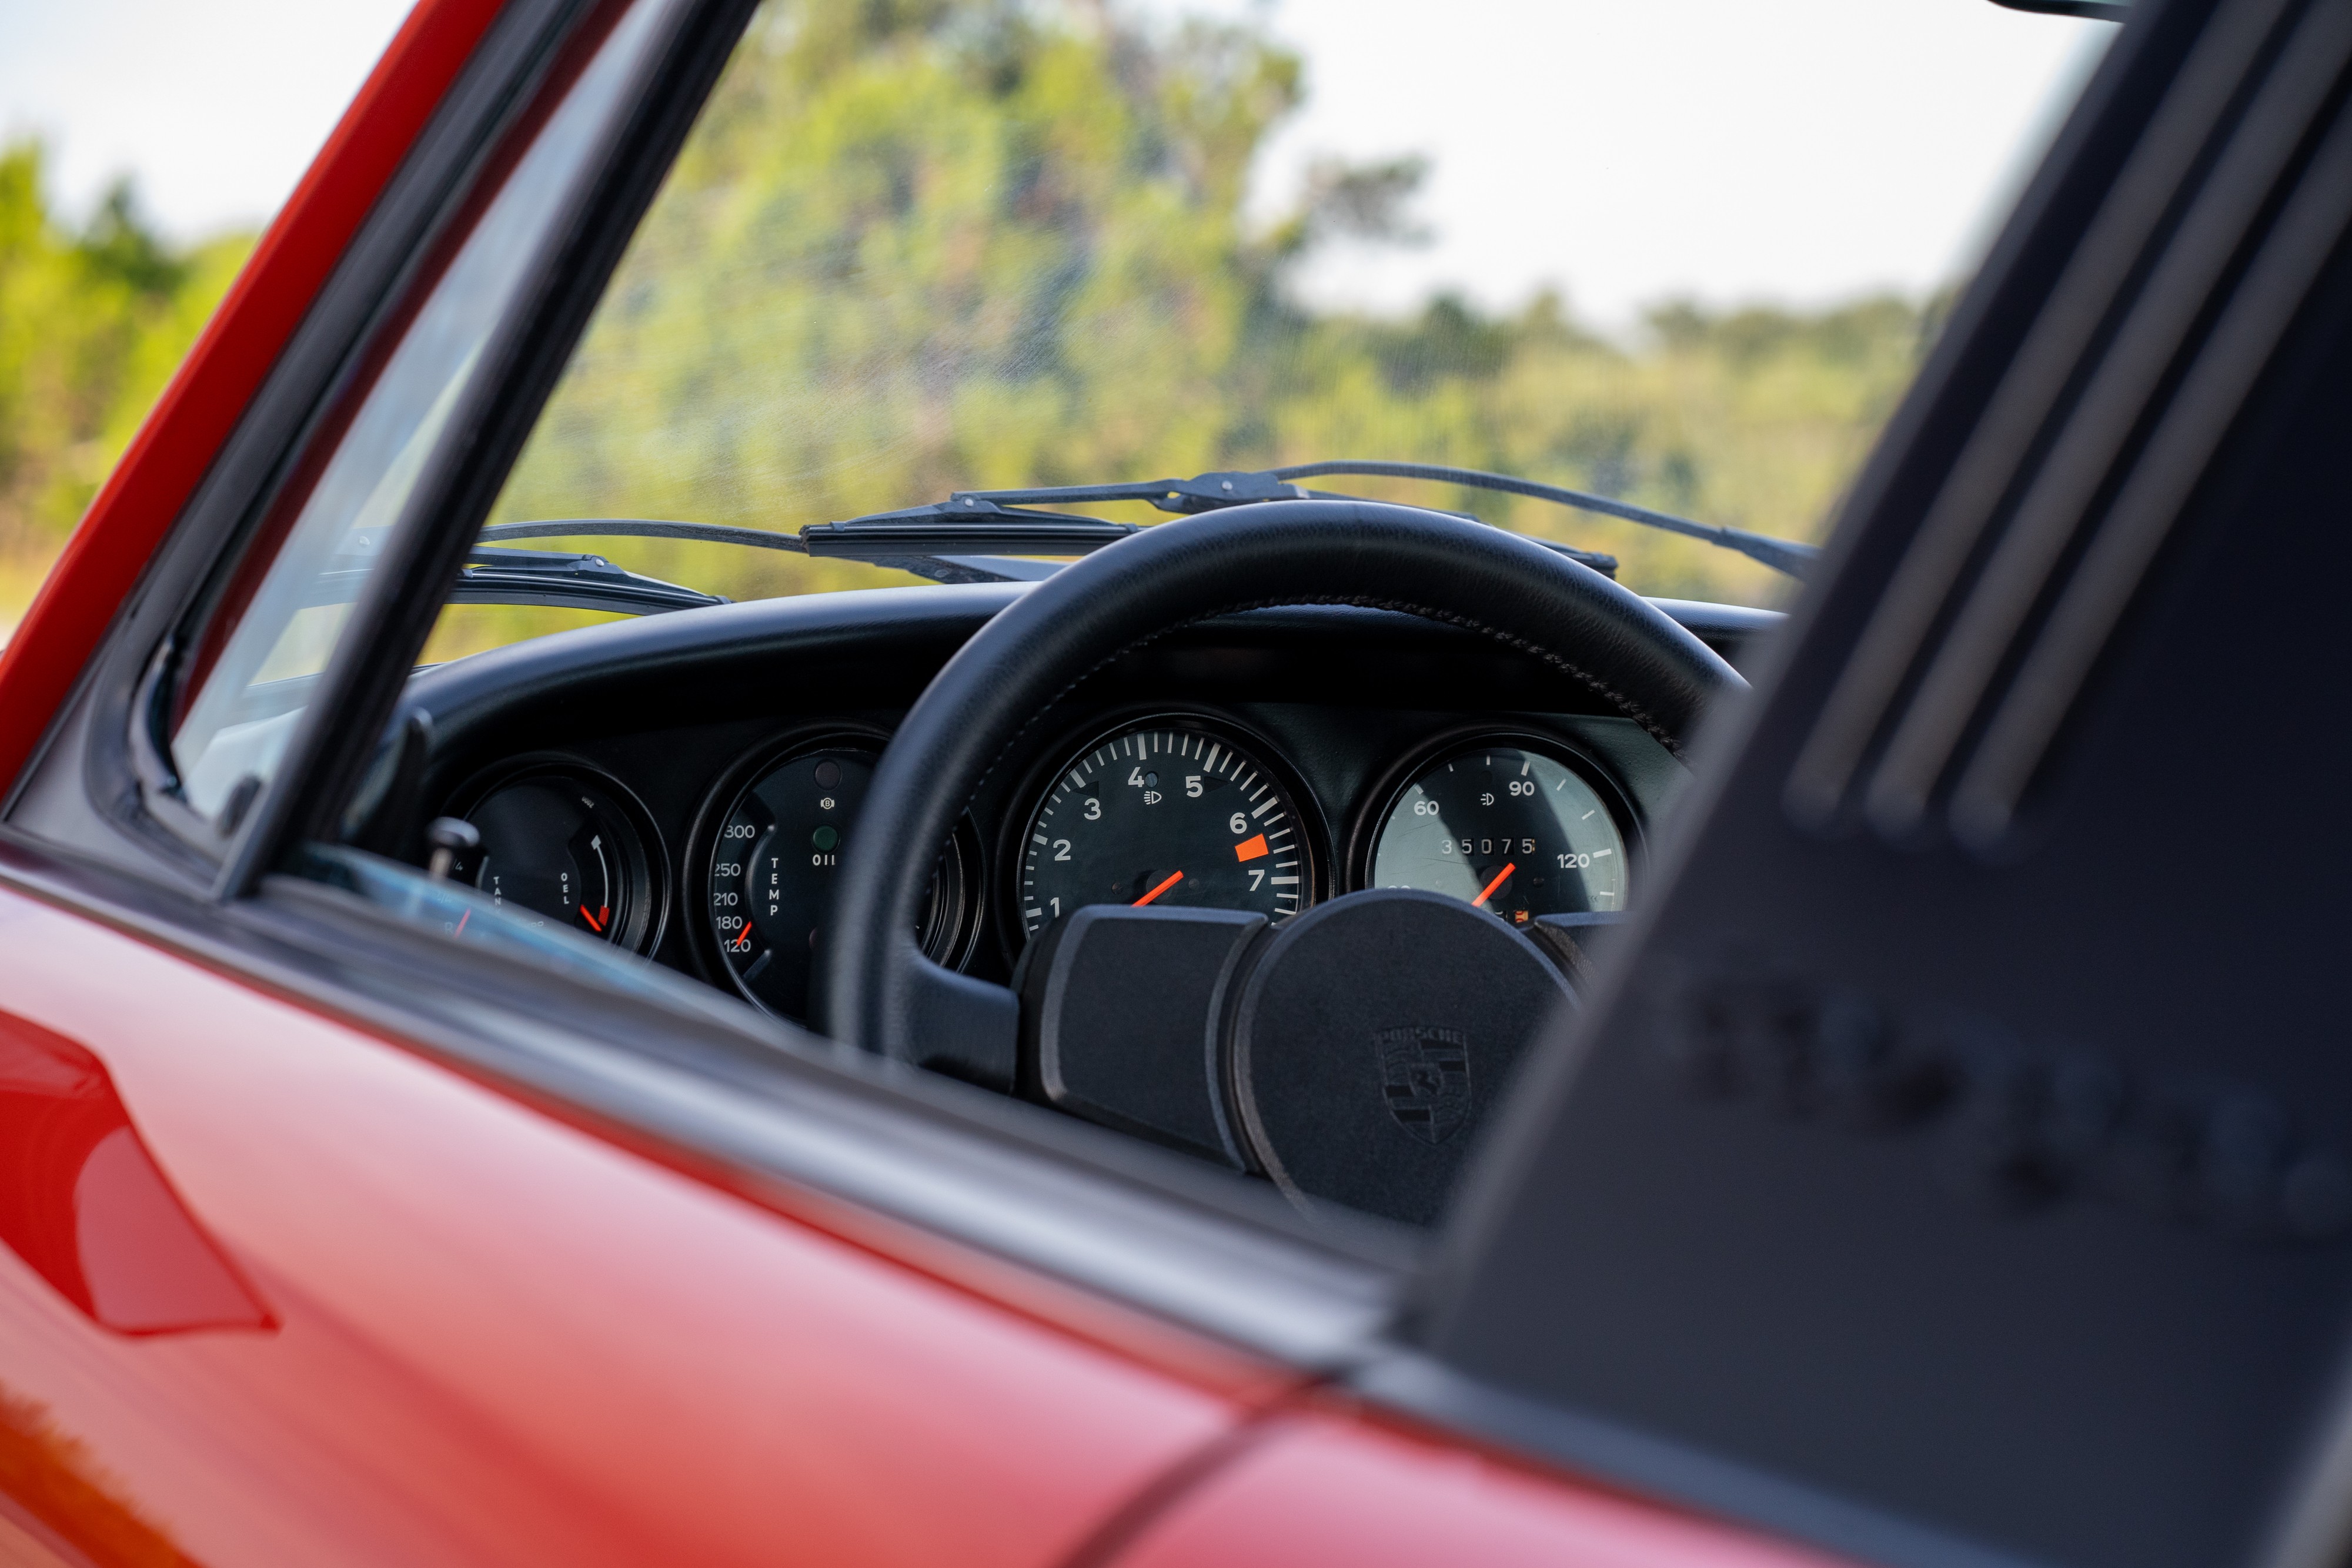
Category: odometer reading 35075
[1163,815]
[1504,828]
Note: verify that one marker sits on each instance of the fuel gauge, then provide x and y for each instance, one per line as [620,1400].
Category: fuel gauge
[561,845]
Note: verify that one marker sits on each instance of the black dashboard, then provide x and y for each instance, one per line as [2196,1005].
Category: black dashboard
[682,786]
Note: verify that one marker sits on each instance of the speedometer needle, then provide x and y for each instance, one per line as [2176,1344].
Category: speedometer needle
[1173,878]
[1501,877]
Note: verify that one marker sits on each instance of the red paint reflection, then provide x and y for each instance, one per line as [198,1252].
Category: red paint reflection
[82,1202]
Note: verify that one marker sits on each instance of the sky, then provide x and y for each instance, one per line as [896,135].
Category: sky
[1795,151]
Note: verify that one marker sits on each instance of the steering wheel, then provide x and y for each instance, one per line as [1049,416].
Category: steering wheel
[1343,1053]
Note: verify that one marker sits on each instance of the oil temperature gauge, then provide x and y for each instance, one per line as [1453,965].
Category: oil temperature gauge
[771,876]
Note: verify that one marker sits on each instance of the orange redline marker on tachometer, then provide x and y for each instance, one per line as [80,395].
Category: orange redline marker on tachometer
[1250,848]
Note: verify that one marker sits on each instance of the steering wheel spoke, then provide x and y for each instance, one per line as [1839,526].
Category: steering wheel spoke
[964,1027]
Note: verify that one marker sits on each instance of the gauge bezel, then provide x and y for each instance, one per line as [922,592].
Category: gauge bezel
[1389,788]
[646,924]
[1076,741]
[710,816]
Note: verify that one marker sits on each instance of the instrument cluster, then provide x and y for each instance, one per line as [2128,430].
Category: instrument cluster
[1172,807]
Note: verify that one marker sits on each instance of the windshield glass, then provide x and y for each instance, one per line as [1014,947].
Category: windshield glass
[1688,257]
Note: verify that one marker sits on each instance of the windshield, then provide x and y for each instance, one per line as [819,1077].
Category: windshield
[1688,257]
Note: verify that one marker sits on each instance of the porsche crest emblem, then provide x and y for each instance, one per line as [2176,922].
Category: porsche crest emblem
[1425,1079]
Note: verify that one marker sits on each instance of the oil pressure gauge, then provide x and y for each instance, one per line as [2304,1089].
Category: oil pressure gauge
[1504,827]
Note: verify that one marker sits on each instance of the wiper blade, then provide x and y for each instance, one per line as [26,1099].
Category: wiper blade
[535,577]
[570,582]
[901,539]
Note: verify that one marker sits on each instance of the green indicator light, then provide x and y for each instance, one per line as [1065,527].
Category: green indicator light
[824,838]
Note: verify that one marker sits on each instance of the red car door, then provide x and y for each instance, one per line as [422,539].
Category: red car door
[355,1307]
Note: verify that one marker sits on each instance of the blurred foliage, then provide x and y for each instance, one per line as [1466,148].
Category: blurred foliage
[918,246]
[92,323]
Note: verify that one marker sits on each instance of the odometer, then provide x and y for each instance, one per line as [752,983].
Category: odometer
[1506,828]
[1164,814]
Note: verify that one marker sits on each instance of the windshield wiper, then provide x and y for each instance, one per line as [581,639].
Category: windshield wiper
[980,536]
[1211,492]
[570,582]
[942,554]
[1005,522]
[537,576]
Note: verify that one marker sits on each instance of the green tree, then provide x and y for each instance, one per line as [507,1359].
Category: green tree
[92,324]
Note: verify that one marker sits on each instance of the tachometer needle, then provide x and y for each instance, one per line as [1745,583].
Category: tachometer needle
[1501,877]
[1173,878]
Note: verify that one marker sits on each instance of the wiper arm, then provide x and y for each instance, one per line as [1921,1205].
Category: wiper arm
[536,576]
[570,582]
[1209,492]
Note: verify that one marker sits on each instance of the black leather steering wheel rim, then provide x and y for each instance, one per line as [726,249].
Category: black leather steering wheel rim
[878,992]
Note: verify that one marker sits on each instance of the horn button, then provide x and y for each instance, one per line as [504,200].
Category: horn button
[1348,1055]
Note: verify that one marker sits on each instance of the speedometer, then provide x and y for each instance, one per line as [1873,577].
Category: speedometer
[1505,828]
[1166,814]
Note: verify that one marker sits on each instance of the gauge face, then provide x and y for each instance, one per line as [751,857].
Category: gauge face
[1504,828]
[772,870]
[560,848]
[1166,815]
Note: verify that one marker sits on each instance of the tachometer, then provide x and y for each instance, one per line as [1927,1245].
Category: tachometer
[1504,827]
[772,870]
[1164,814]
